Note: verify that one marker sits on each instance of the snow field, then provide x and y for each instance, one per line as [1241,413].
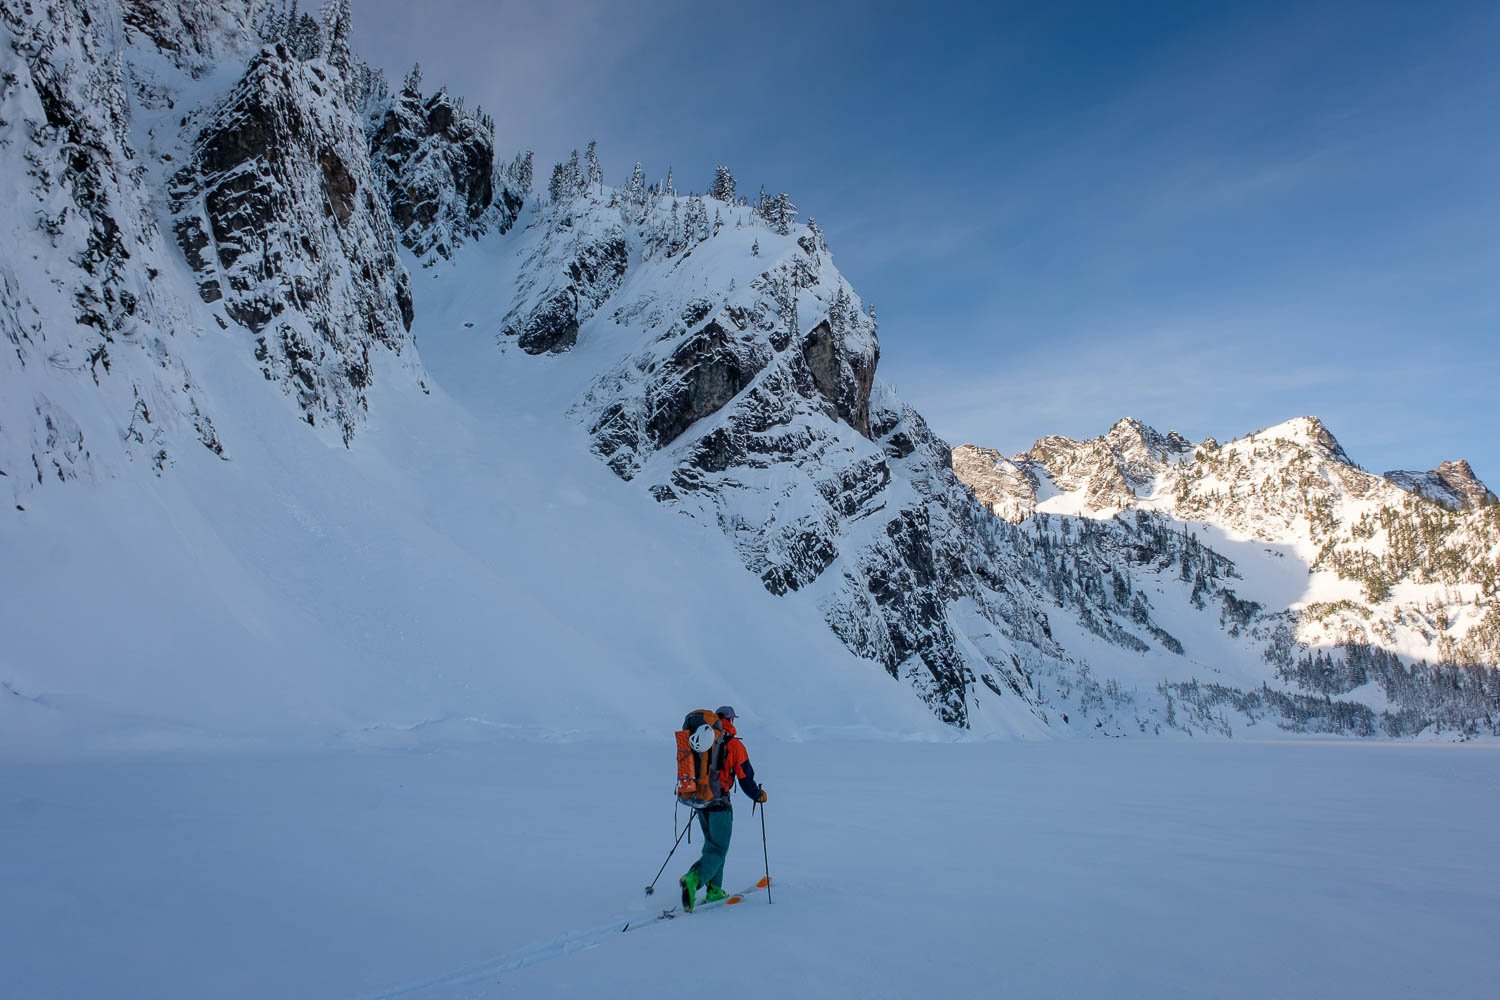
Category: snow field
[1102,868]
[466,566]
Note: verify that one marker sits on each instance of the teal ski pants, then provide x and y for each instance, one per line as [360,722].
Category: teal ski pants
[717,825]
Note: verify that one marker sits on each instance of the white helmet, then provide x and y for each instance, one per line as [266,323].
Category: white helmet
[703,738]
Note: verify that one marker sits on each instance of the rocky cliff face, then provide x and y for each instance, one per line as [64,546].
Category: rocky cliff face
[744,395]
[280,215]
[93,369]
[193,36]
[1452,484]
[153,134]
[437,163]
[1402,571]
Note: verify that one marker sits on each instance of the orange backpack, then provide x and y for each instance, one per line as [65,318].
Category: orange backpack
[700,757]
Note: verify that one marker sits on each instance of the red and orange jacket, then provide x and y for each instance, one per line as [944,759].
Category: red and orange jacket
[736,766]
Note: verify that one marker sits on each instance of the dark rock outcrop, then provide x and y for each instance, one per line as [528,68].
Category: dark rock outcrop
[577,274]
[436,161]
[844,378]
[280,216]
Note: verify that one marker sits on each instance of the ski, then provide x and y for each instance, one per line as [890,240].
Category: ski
[673,912]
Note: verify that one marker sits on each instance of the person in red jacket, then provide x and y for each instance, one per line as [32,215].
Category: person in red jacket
[717,821]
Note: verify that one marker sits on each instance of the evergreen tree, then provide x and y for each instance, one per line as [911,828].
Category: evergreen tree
[671,189]
[371,92]
[705,225]
[785,294]
[412,85]
[594,179]
[635,189]
[723,185]
[755,249]
[305,39]
[336,23]
[270,23]
[574,174]
[558,188]
[779,212]
[520,172]
[289,22]
[838,312]
[817,234]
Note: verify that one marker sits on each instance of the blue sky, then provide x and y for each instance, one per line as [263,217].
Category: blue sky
[1212,217]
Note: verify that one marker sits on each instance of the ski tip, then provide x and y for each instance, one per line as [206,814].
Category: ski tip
[734,899]
[763,882]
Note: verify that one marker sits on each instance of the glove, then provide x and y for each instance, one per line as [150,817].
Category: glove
[762,798]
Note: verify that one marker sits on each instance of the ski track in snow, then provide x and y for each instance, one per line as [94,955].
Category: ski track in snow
[561,947]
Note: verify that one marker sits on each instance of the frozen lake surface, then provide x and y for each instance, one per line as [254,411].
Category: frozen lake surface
[1098,868]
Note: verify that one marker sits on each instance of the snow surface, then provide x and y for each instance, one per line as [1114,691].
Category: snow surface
[1082,868]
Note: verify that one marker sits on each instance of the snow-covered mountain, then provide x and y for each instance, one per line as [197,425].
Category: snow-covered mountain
[318,416]
[1452,484]
[1382,591]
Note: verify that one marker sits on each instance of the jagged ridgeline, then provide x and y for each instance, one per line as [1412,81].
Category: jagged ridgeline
[233,171]
[1388,621]
[743,395]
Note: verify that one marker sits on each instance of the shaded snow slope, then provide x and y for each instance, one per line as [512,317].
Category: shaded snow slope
[457,570]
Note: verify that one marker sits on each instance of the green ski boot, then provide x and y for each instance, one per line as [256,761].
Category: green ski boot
[714,894]
[689,883]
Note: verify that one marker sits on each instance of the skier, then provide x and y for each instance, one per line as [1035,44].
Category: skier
[717,821]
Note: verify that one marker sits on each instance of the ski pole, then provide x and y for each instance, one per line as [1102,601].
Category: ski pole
[652,887]
[763,853]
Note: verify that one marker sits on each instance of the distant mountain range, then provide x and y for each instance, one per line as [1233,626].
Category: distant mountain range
[1396,575]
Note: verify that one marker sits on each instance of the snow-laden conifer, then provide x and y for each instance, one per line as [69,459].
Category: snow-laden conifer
[723,185]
